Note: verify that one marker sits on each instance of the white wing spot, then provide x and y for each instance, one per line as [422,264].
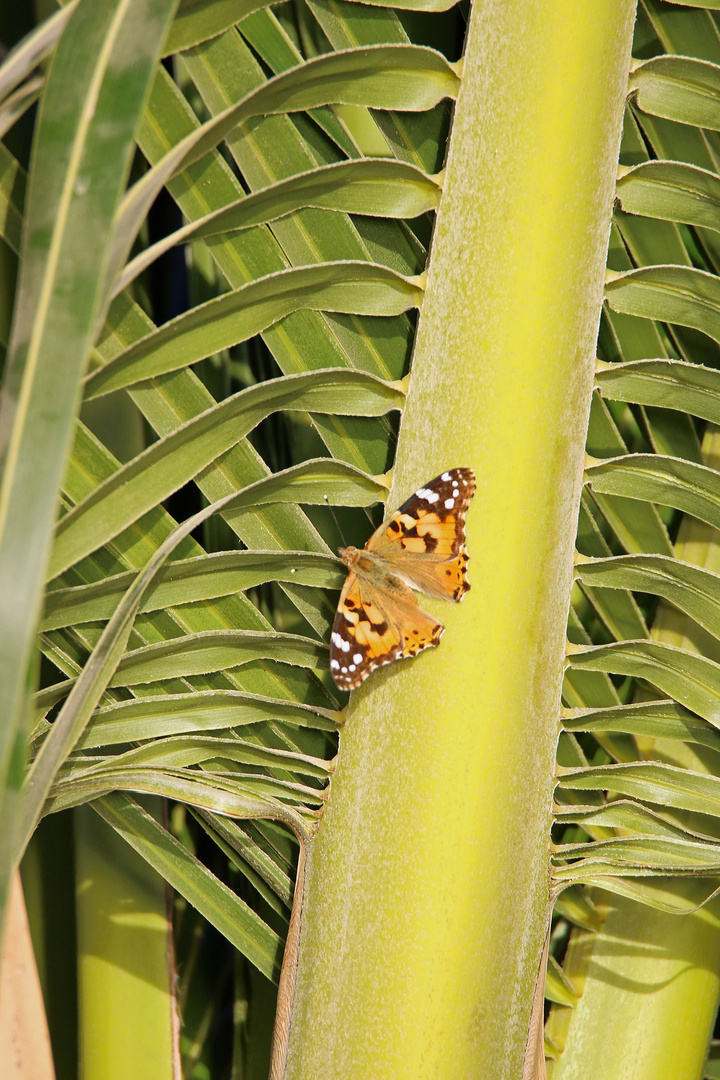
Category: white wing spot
[430,496]
[352,667]
[357,658]
[446,476]
[449,503]
[344,670]
[345,645]
[334,664]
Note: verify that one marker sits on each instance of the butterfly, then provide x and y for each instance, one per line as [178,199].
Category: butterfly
[421,545]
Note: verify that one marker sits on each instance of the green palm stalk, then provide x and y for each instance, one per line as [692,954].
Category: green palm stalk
[433,849]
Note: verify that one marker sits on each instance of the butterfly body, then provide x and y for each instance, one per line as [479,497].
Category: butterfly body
[420,546]
[371,566]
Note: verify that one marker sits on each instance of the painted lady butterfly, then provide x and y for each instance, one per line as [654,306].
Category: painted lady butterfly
[423,545]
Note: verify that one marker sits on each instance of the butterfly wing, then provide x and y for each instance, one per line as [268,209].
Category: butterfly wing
[423,542]
[374,626]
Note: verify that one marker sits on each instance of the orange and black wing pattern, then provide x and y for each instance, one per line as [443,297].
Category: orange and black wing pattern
[424,541]
[373,627]
[421,545]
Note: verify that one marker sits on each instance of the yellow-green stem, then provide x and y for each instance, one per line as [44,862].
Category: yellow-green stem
[127,1018]
[427,895]
[650,979]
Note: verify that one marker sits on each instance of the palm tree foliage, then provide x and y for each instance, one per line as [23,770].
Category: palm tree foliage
[188,585]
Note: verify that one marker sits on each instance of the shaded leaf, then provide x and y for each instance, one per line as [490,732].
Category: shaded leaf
[679,88]
[356,288]
[215,650]
[675,294]
[656,719]
[199,20]
[655,782]
[684,485]
[22,60]
[230,915]
[67,236]
[203,710]
[673,191]
[190,580]
[194,749]
[667,384]
[376,187]
[408,77]
[691,679]
[169,463]
[690,588]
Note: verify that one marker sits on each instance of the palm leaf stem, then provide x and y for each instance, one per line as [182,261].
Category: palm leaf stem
[503,327]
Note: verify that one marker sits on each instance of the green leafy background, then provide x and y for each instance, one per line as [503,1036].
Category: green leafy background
[188,587]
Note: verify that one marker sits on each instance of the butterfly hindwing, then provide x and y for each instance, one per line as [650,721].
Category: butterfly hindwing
[362,636]
[372,627]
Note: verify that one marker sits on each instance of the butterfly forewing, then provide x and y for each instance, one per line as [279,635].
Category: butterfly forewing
[424,541]
[423,545]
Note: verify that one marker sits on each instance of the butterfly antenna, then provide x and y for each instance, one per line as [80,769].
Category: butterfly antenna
[387,478]
[368,515]
[337,523]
